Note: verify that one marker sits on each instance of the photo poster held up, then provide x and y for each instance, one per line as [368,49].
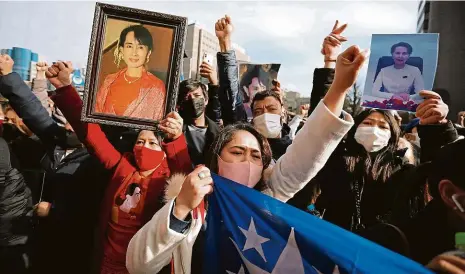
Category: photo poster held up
[255,78]
[400,66]
[134,66]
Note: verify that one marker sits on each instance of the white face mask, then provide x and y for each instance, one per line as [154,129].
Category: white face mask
[268,124]
[373,139]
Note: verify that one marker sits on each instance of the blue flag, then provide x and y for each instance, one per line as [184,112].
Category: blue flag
[250,232]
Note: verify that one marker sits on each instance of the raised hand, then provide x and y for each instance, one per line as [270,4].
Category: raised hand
[332,43]
[304,110]
[348,66]
[432,110]
[41,68]
[59,74]
[223,30]
[209,72]
[6,64]
[196,185]
[172,125]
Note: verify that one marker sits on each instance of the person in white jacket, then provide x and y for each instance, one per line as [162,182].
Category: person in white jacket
[170,235]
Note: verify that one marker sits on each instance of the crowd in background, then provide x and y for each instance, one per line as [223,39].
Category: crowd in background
[79,197]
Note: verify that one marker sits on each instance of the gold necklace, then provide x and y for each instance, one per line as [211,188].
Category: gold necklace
[130,82]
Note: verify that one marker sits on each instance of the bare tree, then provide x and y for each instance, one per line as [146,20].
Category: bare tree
[353,101]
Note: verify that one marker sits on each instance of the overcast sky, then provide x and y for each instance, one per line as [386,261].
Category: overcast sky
[283,32]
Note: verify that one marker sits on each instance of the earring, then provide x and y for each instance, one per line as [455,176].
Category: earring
[118,58]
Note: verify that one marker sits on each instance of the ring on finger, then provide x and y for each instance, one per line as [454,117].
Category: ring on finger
[202,175]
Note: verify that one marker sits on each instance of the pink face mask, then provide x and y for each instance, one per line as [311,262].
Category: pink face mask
[245,173]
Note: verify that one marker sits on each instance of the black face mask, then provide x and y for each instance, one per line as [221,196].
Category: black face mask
[193,108]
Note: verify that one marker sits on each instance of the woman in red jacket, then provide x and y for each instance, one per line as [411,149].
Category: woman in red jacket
[137,185]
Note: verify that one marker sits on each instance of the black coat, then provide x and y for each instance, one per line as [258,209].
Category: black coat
[212,131]
[73,184]
[400,198]
[15,203]
[279,145]
[230,97]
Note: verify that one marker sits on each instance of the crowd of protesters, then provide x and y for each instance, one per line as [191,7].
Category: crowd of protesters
[77,197]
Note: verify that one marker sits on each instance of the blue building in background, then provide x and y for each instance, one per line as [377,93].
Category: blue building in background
[25,61]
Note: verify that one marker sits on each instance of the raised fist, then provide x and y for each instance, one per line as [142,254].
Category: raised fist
[348,66]
[224,28]
[6,64]
[41,68]
[304,110]
[59,74]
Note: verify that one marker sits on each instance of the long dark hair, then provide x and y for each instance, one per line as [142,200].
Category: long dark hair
[226,135]
[377,166]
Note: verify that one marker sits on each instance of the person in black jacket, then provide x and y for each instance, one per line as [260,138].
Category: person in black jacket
[73,182]
[16,213]
[445,213]
[200,131]
[232,108]
[230,95]
[363,184]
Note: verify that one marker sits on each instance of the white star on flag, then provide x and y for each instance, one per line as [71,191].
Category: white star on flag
[290,260]
[253,240]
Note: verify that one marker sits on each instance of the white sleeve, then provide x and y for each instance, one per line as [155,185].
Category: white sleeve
[309,152]
[153,246]
[294,125]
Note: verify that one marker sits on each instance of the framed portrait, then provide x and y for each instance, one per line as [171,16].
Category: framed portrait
[400,66]
[134,66]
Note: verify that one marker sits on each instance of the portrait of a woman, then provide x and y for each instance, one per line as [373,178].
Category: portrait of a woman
[400,80]
[132,91]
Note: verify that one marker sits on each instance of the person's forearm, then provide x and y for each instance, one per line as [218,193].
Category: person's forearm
[330,64]
[232,108]
[40,75]
[91,135]
[225,45]
[26,104]
[334,99]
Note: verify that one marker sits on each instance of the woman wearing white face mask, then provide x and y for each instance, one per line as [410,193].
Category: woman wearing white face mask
[360,183]
[240,153]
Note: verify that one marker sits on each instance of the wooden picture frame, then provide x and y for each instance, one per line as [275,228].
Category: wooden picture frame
[133,83]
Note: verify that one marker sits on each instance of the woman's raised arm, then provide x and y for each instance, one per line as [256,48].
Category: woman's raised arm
[68,100]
